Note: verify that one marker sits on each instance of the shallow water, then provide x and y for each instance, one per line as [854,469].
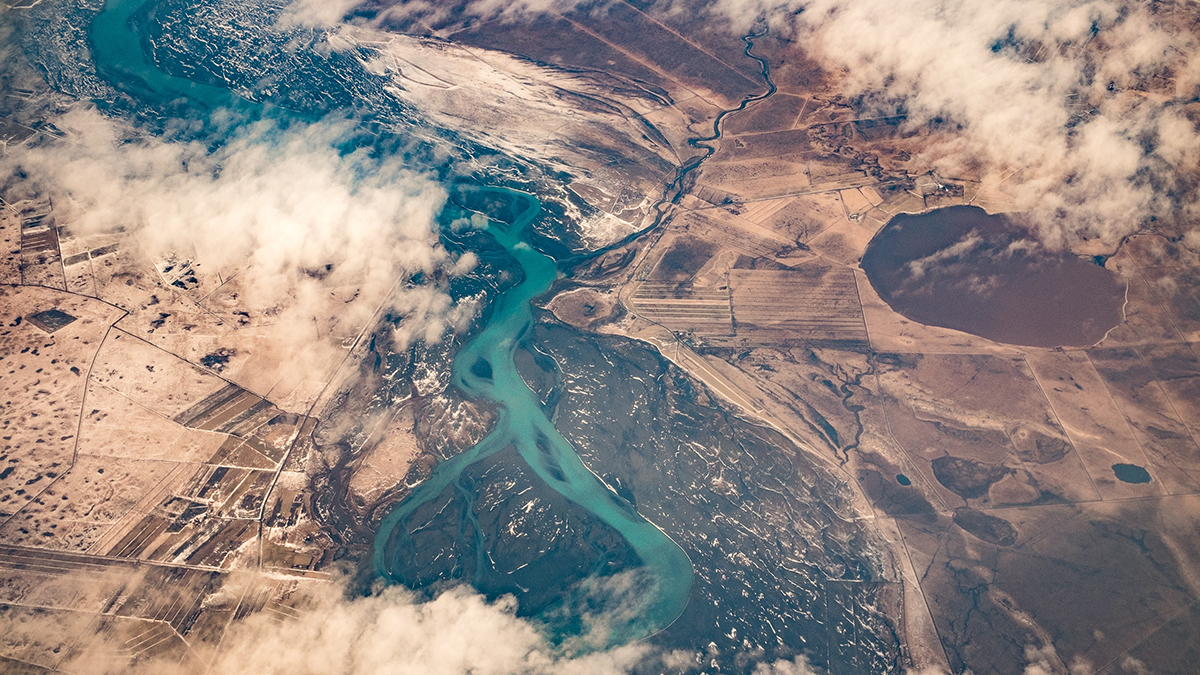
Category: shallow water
[484,368]
[961,268]
[117,49]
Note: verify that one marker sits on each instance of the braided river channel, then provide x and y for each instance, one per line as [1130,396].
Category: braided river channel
[484,368]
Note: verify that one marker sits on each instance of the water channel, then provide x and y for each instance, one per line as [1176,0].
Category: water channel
[484,368]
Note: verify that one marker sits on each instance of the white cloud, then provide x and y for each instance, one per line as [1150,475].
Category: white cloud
[1134,666]
[285,209]
[1080,666]
[918,267]
[316,13]
[388,632]
[458,632]
[796,666]
[1061,92]
[437,12]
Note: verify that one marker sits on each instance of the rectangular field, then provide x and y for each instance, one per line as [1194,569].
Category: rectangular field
[811,305]
[685,308]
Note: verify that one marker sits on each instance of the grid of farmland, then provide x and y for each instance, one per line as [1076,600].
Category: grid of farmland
[683,307]
[753,241]
[797,305]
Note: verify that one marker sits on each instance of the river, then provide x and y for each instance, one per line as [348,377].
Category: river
[484,368]
[117,50]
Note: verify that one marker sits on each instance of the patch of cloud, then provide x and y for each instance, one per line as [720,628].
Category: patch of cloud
[286,210]
[517,8]
[389,632]
[1085,99]
[1080,666]
[680,660]
[429,312]
[316,13]
[917,268]
[1134,666]
[797,666]
[431,12]
[611,610]
[1043,660]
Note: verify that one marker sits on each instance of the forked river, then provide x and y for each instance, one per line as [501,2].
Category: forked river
[484,368]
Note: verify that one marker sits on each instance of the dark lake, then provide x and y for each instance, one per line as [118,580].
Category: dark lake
[1131,473]
[962,268]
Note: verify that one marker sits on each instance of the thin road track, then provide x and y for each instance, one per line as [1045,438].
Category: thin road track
[674,190]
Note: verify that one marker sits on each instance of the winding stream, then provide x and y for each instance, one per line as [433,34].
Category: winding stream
[485,367]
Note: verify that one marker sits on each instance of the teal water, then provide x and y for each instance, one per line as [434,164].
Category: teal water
[1131,473]
[484,368]
[117,50]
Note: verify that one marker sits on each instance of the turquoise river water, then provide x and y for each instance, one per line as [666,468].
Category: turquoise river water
[484,368]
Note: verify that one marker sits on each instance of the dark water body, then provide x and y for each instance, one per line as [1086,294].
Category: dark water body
[903,480]
[962,268]
[1131,473]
